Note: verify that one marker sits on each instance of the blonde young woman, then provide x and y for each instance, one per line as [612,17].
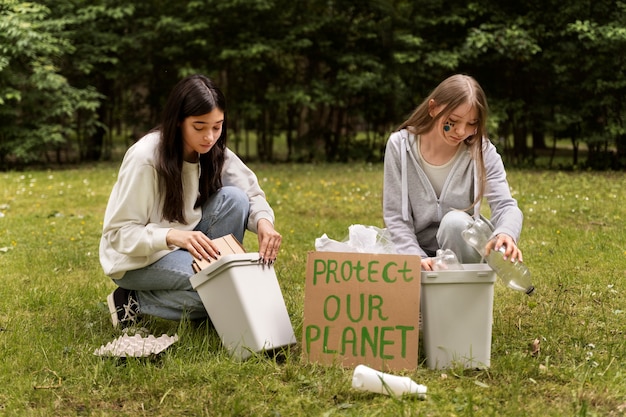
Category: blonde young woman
[439,166]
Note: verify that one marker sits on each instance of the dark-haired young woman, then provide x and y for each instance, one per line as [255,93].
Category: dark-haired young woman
[178,187]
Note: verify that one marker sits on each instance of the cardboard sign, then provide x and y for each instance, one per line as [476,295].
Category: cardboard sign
[362,309]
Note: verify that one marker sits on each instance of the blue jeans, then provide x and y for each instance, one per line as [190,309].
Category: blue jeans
[449,236]
[163,289]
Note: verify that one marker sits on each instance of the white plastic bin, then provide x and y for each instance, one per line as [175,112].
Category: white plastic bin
[457,316]
[245,304]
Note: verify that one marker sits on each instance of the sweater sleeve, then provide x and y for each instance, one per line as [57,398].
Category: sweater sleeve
[401,231]
[127,227]
[506,216]
[236,173]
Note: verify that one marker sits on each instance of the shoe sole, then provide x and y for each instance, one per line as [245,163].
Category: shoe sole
[113,310]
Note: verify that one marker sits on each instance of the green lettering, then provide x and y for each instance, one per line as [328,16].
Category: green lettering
[371,272]
[337,306]
[361,304]
[309,337]
[376,303]
[368,340]
[386,273]
[325,347]
[384,342]
[332,270]
[359,268]
[317,271]
[348,336]
[346,276]
[403,332]
[405,271]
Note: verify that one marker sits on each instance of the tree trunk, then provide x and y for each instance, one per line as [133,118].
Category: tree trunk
[95,143]
[539,139]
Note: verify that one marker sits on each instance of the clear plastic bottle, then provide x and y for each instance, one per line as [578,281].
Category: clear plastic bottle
[514,275]
[446,260]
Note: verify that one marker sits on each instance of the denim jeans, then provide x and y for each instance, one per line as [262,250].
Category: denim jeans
[449,236]
[163,289]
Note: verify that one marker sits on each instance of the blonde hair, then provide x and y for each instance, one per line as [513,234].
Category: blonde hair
[451,93]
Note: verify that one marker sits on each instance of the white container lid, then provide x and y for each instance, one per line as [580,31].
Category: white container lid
[226,261]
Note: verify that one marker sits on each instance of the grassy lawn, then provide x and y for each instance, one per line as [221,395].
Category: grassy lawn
[53,315]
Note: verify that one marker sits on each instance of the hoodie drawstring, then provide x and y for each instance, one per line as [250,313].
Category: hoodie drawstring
[405,181]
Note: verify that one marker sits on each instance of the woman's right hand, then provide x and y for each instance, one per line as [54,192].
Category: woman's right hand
[427,264]
[195,242]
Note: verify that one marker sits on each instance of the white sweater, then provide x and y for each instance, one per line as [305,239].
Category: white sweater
[134,231]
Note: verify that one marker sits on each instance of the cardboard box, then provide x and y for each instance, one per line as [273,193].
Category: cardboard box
[362,309]
[227,245]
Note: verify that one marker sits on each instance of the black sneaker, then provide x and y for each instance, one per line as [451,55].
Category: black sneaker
[123,307]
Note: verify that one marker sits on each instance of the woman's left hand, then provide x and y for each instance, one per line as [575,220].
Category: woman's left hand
[269,241]
[511,251]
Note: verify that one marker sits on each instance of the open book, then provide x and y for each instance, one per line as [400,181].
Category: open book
[227,245]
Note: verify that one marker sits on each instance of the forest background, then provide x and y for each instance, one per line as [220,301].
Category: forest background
[311,80]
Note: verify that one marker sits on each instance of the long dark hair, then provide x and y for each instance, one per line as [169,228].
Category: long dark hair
[194,95]
[451,93]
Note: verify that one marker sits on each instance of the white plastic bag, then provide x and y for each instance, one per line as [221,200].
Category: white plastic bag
[362,239]
[326,244]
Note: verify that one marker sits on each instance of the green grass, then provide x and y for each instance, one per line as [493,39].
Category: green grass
[52,312]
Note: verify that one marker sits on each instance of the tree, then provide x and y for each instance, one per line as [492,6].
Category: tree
[601,81]
[333,76]
[37,103]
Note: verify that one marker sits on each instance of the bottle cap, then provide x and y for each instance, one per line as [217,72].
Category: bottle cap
[418,389]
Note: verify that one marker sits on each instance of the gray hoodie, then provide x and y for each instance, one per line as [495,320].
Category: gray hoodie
[411,210]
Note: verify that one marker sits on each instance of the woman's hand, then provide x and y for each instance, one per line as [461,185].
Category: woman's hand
[195,242]
[269,241]
[427,264]
[511,251]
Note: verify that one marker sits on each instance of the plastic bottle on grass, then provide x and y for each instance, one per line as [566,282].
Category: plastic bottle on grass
[368,379]
[514,275]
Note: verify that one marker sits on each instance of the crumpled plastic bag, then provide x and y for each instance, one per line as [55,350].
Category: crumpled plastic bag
[361,239]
